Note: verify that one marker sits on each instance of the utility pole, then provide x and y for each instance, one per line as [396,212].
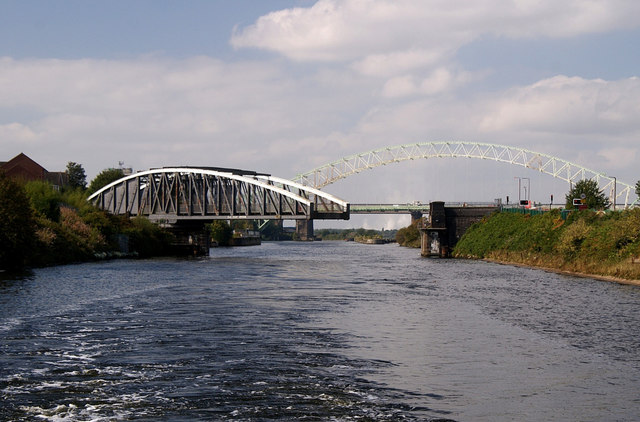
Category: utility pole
[615,194]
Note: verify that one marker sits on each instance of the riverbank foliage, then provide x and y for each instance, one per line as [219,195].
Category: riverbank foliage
[590,242]
[42,226]
[352,234]
[409,236]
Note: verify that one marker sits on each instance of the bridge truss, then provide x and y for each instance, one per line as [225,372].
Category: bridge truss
[184,193]
[547,164]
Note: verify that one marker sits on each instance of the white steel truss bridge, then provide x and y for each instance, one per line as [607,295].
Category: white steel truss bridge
[569,172]
[180,194]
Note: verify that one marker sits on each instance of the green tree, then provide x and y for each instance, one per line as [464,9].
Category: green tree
[104,178]
[77,177]
[593,196]
[17,229]
[409,236]
[221,232]
[638,188]
[45,200]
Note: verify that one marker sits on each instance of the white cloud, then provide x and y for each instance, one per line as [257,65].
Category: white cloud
[372,31]
[438,81]
[567,105]
[257,115]
[619,157]
[163,112]
[386,65]
[17,132]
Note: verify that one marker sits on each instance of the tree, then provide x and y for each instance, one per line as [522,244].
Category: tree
[638,188]
[221,232]
[17,229]
[594,198]
[103,179]
[45,200]
[77,177]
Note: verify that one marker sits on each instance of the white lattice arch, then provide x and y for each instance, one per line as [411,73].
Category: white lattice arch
[547,164]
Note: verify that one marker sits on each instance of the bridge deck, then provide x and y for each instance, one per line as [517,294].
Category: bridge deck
[409,208]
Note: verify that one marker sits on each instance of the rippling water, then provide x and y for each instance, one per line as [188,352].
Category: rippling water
[316,331]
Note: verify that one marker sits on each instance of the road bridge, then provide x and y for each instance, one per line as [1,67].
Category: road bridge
[415,209]
[618,191]
[410,207]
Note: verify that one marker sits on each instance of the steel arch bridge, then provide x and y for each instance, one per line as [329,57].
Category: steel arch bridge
[173,194]
[547,164]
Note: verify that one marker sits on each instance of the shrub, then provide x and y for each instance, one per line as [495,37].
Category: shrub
[17,229]
[409,236]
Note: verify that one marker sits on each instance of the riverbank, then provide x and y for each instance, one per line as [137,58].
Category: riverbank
[567,272]
[586,243]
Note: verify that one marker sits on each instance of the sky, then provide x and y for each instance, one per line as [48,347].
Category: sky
[284,86]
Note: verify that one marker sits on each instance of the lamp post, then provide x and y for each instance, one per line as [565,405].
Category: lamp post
[519,188]
[615,183]
[527,191]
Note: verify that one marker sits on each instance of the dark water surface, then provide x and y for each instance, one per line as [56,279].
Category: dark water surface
[325,331]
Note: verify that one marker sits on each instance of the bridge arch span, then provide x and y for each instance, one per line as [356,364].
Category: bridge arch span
[544,163]
[184,193]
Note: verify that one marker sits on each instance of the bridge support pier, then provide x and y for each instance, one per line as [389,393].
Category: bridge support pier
[415,216]
[446,226]
[304,229]
[190,240]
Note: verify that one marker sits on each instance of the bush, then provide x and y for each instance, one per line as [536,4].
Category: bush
[409,236]
[17,229]
[146,238]
[44,199]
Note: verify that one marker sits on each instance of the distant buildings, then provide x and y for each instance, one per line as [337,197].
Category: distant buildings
[24,168]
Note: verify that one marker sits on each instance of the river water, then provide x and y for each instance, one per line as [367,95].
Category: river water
[324,331]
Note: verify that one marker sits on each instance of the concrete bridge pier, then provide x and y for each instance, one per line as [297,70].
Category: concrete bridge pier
[446,226]
[190,239]
[304,229]
[415,216]
[434,241]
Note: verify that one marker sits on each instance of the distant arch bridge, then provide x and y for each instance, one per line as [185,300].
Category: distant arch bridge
[547,164]
[182,194]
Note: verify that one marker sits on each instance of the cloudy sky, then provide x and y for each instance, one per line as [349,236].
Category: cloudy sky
[284,86]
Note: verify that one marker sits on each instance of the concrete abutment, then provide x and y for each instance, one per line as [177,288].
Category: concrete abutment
[446,226]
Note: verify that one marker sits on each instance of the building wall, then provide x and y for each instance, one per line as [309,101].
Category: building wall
[22,167]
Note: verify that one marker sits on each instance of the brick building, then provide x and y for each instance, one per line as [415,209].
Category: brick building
[21,167]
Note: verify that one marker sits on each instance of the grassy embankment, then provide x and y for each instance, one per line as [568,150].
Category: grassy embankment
[588,242]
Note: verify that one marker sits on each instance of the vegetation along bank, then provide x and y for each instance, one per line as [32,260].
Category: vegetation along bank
[586,241]
[41,226]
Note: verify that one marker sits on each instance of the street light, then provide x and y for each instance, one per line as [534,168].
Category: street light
[528,195]
[615,183]
[527,189]
[519,188]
